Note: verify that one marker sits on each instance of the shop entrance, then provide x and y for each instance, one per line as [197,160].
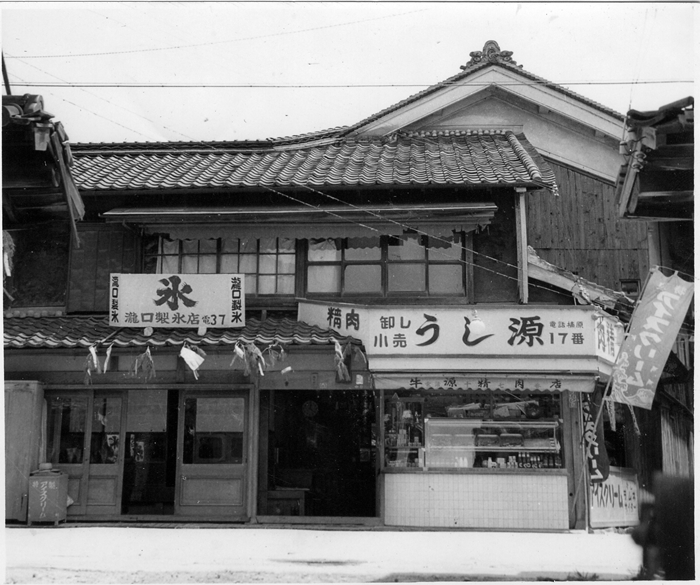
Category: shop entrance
[145,452]
[212,448]
[150,454]
[317,453]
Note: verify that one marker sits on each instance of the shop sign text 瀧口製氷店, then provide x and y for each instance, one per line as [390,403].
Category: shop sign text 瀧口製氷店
[177,300]
[518,330]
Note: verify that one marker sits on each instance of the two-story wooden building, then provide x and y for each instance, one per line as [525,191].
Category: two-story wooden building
[403,356]
[655,186]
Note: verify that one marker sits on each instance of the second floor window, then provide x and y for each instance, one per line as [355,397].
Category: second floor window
[269,264]
[387,266]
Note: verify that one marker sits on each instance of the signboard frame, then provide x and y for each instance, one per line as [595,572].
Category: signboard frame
[193,301]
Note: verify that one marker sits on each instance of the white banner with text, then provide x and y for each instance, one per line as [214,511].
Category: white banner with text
[177,300]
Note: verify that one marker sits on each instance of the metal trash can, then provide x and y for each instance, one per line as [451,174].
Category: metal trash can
[48,496]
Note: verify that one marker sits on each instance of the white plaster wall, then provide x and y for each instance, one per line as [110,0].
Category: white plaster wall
[510,501]
[548,132]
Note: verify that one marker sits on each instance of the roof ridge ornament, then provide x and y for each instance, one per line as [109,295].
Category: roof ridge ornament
[491,53]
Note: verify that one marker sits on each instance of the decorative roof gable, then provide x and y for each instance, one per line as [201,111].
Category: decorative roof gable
[491,56]
[492,53]
[494,91]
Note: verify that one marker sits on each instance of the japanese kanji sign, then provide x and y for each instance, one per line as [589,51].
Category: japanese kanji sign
[457,331]
[176,300]
[483,382]
[594,440]
[653,329]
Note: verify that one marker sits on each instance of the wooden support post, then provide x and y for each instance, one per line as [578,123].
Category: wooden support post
[254,417]
[521,238]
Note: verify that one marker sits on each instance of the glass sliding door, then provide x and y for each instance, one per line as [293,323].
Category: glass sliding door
[67,443]
[106,454]
[212,444]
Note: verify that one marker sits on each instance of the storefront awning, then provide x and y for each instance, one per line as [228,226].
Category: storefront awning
[340,221]
[454,381]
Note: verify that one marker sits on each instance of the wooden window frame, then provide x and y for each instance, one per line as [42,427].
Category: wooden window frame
[219,253]
[466,262]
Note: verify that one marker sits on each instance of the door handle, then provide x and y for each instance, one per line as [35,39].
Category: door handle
[183,477]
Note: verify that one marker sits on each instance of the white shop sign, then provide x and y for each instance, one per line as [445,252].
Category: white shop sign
[615,501]
[519,330]
[177,300]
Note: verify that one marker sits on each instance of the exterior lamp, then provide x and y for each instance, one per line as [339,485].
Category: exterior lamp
[477,326]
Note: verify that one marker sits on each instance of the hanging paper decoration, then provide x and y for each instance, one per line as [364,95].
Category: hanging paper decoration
[194,357]
[276,353]
[95,361]
[92,364]
[637,430]
[341,357]
[253,358]
[144,364]
[341,368]
[107,356]
[610,409]
[8,251]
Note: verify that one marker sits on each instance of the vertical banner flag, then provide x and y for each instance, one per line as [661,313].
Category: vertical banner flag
[653,329]
[596,452]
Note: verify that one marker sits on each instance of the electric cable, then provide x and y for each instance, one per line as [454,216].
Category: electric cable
[465,262]
[460,260]
[211,43]
[109,102]
[165,85]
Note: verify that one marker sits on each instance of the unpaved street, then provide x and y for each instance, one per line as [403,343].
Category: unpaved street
[247,555]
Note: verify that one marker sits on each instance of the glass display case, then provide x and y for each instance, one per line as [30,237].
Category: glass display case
[404,432]
[492,444]
[474,430]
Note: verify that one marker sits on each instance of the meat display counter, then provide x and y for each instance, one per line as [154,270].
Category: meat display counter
[455,442]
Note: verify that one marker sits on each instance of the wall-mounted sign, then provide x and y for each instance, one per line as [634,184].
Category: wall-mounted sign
[176,300]
[615,501]
[520,330]
[482,383]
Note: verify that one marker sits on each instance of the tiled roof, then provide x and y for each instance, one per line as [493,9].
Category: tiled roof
[219,145]
[476,64]
[82,331]
[493,157]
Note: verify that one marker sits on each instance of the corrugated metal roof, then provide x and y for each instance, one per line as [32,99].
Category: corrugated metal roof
[84,331]
[494,157]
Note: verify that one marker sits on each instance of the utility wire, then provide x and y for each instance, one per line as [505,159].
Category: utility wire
[104,100]
[441,239]
[407,227]
[100,116]
[342,85]
[212,43]
[404,226]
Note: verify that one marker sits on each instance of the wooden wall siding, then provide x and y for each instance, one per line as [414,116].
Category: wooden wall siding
[496,257]
[104,249]
[644,452]
[40,267]
[578,231]
[675,437]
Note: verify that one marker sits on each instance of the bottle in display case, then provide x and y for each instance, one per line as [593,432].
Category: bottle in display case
[403,432]
[523,444]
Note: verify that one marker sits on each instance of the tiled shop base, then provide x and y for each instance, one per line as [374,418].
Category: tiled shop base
[477,501]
